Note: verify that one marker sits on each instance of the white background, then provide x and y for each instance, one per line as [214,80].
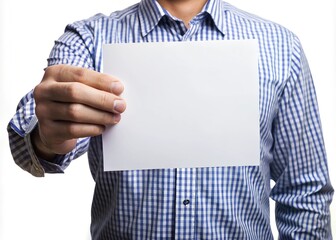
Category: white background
[58,206]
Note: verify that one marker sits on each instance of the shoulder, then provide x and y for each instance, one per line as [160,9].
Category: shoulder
[256,25]
[119,15]
[102,23]
[275,40]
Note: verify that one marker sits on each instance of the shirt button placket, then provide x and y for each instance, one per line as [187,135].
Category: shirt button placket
[185,203]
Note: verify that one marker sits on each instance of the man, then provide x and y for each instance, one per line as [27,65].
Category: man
[66,113]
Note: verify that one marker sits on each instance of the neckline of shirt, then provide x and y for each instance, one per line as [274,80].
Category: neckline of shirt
[151,12]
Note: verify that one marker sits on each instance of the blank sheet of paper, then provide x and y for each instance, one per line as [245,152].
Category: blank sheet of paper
[189,104]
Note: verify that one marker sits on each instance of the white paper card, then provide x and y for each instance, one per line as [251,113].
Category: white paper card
[189,104]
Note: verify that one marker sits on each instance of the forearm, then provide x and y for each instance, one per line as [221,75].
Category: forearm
[22,153]
[302,212]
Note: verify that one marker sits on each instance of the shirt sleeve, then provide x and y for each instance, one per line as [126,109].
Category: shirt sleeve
[73,47]
[302,189]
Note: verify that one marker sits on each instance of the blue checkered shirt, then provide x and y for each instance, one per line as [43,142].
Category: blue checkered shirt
[202,203]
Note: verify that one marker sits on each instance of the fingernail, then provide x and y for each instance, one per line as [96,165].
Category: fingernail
[119,106]
[117,87]
[116,118]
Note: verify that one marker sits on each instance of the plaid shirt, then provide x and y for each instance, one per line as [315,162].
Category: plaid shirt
[202,203]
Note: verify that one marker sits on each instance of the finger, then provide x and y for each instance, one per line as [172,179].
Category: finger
[60,131]
[74,92]
[101,81]
[79,113]
[63,148]
[48,151]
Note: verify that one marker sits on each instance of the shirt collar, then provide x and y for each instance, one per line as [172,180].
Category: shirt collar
[150,13]
[217,9]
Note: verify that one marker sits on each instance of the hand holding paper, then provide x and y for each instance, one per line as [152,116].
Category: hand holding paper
[71,103]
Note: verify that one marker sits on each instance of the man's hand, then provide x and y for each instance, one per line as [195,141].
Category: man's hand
[71,103]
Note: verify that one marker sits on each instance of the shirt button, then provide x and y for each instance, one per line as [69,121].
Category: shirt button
[186,202]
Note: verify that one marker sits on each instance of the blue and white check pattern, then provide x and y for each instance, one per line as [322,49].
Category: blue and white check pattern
[203,203]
